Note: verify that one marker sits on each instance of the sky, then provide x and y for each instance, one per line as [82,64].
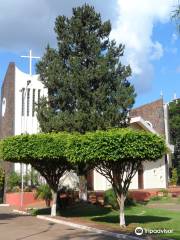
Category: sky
[152,43]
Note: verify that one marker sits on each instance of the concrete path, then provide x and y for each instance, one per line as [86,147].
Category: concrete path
[19,227]
[167,206]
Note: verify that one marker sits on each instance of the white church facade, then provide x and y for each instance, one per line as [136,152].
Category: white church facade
[21,92]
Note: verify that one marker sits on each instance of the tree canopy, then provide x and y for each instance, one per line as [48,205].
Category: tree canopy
[174,127]
[45,152]
[88,87]
[117,154]
[174,121]
[176,16]
[126,145]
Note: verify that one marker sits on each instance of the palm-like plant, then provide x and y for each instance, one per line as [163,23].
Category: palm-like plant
[44,192]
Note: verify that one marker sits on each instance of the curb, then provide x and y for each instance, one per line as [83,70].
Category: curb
[90,229]
[4,205]
[20,212]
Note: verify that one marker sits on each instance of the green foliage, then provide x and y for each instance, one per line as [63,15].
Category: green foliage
[124,145]
[44,192]
[174,177]
[176,16]
[45,152]
[156,198]
[110,199]
[2,176]
[174,120]
[174,125]
[164,192]
[86,81]
[13,182]
[36,147]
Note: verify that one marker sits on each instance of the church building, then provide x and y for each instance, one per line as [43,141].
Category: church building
[20,92]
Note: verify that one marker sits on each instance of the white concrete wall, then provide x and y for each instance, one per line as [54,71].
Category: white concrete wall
[154,177]
[26,124]
[100,182]
[134,182]
[155,174]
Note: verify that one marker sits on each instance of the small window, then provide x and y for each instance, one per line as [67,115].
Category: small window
[39,95]
[149,123]
[23,101]
[28,98]
[33,102]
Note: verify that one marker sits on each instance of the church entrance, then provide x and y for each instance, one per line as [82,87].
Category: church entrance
[141,178]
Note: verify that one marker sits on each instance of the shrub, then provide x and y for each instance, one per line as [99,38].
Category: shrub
[164,192]
[174,177]
[13,180]
[44,192]
[2,175]
[27,189]
[15,189]
[110,199]
[156,198]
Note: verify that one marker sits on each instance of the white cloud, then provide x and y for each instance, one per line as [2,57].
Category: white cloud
[156,51]
[134,27]
[30,24]
[174,38]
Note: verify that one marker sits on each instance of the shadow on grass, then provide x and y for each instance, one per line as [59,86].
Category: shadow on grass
[84,210]
[78,210]
[130,219]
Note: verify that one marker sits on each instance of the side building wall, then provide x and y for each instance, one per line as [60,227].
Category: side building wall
[7,108]
[154,173]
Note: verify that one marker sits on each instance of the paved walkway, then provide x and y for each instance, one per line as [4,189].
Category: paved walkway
[18,227]
[167,206]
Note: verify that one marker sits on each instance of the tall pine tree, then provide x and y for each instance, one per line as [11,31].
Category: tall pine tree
[86,81]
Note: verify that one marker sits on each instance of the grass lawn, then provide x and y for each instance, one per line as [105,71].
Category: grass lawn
[139,215]
[167,199]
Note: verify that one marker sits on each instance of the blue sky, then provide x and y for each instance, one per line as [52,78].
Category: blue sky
[152,42]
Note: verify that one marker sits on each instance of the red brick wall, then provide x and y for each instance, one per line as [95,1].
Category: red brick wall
[152,112]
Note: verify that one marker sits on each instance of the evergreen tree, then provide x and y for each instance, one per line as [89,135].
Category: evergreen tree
[87,84]
[174,125]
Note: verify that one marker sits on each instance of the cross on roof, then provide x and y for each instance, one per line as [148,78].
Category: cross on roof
[30,61]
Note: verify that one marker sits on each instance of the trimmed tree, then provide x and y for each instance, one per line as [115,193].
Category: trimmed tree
[87,84]
[117,154]
[45,153]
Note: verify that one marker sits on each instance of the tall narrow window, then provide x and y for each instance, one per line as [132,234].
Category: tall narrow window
[28,98]
[23,101]
[33,102]
[39,95]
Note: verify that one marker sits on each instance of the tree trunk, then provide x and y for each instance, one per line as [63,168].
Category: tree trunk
[53,207]
[121,200]
[83,188]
